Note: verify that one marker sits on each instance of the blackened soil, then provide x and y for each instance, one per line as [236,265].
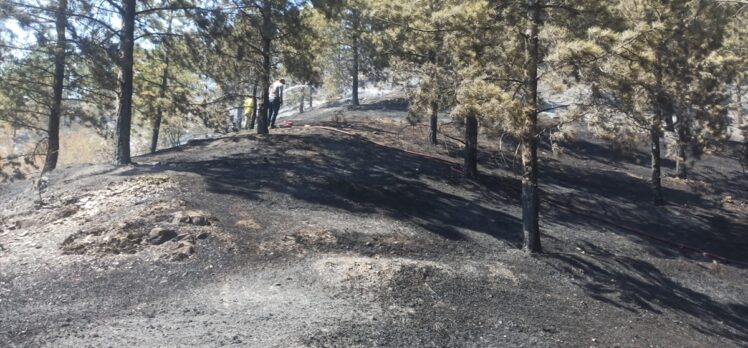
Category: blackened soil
[326,239]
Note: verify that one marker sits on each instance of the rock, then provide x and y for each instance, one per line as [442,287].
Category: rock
[183,251]
[193,217]
[185,237]
[161,235]
[68,211]
[202,235]
[249,224]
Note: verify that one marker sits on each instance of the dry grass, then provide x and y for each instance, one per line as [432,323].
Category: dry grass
[83,146]
[78,145]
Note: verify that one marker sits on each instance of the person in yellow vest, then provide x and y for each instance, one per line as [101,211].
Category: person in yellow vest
[248,104]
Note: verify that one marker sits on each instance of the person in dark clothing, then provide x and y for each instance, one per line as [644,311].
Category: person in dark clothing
[276,100]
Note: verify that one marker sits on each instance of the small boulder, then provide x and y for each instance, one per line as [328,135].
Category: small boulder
[192,217]
[161,235]
[184,250]
[249,224]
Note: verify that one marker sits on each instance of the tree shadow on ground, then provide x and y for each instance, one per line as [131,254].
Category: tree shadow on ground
[635,285]
[588,187]
[587,150]
[357,176]
[621,203]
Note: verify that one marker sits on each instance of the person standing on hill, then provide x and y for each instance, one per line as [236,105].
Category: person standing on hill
[249,115]
[276,100]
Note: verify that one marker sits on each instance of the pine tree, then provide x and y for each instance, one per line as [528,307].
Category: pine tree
[34,87]
[272,31]
[416,36]
[736,43]
[699,77]
[53,126]
[351,36]
[127,13]
[501,69]
[658,60]
[162,91]
[166,88]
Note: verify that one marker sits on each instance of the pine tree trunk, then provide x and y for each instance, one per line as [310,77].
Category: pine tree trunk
[240,115]
[471,147]
[267,28]
[311,96]
[53,127]
[530,194]
[163,87]
[681,171]
[681,126]
[434,123]
[683,142]
[301,104]
[354,48]
[742,122]
[354,73]
[434,59]
[654,133]
[124,113]
[254,107]
[156,129]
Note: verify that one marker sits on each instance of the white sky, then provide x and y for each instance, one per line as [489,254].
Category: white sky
[21,36]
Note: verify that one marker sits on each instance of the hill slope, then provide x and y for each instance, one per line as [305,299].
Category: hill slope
[366,237]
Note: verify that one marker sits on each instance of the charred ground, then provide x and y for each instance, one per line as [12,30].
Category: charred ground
[320,238]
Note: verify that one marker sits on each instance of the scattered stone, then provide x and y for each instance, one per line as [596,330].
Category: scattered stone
[100,240]
[186,237]
[183,251]
[193,217]
[185,248]
[69,200]
[249,224]
[68,211]
[160,235]
[11,225]
[202,235]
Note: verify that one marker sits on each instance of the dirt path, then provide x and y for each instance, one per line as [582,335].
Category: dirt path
[315,238]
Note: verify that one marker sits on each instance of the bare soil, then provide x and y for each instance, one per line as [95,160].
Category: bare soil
[310,237]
